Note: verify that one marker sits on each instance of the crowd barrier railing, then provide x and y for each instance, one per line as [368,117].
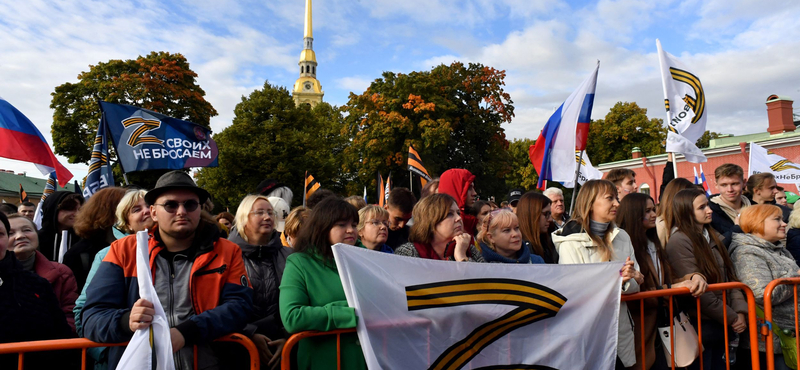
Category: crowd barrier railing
[752,328]
[669,293]
[21,348]
[766,329]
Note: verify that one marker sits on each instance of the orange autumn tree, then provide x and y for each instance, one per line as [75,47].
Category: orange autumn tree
[452,115]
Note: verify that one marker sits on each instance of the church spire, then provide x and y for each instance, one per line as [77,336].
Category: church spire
[307,89]
[308,34]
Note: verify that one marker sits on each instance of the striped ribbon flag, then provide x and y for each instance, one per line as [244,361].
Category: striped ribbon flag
[23,195]
[309,187]
[415,165]
[100,175]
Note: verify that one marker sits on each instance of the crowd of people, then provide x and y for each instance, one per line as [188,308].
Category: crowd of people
[268,270]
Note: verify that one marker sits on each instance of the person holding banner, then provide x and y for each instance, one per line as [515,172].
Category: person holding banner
[24,242]
[311,293]
[438,232]
[590,237]
[637,216]
[501,240]
[695,247]
[199,278]
[760,257]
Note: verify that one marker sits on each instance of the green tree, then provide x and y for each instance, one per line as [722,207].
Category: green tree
[625,126]
[452,115]
[161,82]
[522,175]
[705,140]
[272,138]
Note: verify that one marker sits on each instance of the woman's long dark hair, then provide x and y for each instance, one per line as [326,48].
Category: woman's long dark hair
[630,217]
[313,235]
[683,216]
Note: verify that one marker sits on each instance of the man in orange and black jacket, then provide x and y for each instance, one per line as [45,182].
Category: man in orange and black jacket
[199,277]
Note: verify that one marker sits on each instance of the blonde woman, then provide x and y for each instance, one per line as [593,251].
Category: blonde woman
[591,236]
[373,228]
[264,259]
[501,240]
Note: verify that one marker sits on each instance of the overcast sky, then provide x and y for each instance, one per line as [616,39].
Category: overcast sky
[743,51]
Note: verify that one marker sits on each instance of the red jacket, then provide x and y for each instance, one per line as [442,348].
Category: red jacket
[63,282]
[455,182]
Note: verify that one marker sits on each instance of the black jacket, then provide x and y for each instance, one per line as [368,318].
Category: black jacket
[793,243]
[721,222]
[264,265]
[29,310]
[49,235]
[80,256]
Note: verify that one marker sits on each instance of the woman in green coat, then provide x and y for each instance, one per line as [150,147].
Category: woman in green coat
[312,297]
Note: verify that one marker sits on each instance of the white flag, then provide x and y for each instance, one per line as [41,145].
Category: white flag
[762,160]
[154,343]
[588,172]
[685,102]
[416,313]
[62,248]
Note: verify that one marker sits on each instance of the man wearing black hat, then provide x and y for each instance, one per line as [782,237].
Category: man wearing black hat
[189,262]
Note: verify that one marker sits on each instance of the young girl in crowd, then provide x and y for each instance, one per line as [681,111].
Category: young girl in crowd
[438,232]
[760,257]
[533,211]
[373,228]
[501,240]
[637,216]
[312,297]
[590,237]
[695,247]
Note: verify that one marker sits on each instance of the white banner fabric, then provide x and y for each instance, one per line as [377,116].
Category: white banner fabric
[417,313]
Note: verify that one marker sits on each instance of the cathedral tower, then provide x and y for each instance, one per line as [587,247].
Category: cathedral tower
[307,89]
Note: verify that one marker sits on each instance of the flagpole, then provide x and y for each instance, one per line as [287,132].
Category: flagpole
[575,183]
[305,179]
[410,181]
[750,160]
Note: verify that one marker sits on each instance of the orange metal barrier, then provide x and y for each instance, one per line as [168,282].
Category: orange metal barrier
[286,355]
[751,319]
[751,326]
[766,329]
[82,344]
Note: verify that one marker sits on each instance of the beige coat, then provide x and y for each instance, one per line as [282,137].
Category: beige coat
[574,248]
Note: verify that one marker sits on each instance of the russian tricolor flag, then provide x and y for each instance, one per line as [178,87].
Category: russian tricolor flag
[21,140]
[704,182]
[553,154]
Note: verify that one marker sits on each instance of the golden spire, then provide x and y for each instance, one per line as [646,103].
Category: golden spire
[308,32]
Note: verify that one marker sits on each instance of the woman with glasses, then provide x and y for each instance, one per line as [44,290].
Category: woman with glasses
[438,232]
[373,228]
[501,239]
[312,297]
[264,259]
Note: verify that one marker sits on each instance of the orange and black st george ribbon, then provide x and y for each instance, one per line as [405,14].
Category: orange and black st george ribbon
[534,302]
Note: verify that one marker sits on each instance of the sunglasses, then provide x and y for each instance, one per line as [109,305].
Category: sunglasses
[172,206]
